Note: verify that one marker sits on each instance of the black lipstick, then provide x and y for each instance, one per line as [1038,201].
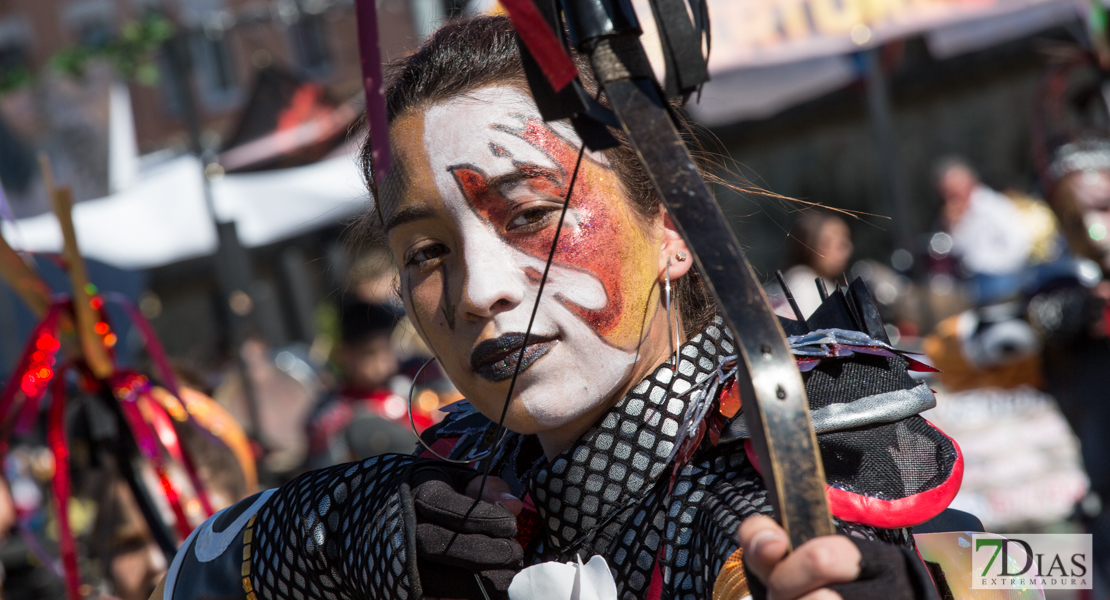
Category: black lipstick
[496,359]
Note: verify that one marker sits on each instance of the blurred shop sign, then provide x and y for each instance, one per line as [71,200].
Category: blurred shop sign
[769,55]
[755,33]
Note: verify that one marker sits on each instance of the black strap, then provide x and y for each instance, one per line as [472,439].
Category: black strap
[681,40]
[587,115]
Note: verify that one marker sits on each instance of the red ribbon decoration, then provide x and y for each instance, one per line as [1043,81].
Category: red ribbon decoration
[159,419]
[153,429]
[128,388]
[153,345]
[28,379]
[541,42]
[163,426]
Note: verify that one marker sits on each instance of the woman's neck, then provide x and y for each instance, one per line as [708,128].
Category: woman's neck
[654,351]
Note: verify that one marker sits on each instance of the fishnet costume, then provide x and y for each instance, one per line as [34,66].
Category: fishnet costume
[335,534]
[340,533]
[608,494]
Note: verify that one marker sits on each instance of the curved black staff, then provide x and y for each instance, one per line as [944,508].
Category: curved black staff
[607,31]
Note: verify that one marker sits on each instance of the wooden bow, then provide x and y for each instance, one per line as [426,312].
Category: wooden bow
[778,414]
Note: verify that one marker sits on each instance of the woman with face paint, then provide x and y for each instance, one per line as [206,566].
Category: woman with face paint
[591,336]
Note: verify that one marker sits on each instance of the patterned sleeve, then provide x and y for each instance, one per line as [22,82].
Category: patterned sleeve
[334,534]
[708,503]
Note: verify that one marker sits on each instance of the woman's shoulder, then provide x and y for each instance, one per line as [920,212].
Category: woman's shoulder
[460,433]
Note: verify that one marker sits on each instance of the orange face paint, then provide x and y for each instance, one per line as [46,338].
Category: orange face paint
[606,240]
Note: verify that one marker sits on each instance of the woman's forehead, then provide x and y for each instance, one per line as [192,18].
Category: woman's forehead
[494,130]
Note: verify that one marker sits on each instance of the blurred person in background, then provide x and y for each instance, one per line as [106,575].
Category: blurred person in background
[980,236]
[364,416]
[284,403]
[820,247]
[1070,311]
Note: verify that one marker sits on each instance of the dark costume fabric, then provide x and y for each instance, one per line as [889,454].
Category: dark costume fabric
[347,531]
[1073,323]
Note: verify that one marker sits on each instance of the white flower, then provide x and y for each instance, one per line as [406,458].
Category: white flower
[565,581]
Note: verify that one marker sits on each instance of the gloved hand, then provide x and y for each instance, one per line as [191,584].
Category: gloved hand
[458,536]
[829,567]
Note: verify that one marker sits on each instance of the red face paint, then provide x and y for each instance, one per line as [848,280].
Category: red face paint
[601,236]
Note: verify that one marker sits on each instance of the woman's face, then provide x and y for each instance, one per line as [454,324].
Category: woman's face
[833,249]
[481,180]
[1091,190]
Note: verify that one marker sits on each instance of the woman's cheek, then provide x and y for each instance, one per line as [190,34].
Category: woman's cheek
[423,296]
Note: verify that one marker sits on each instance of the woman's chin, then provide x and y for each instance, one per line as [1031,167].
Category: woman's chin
[556,391]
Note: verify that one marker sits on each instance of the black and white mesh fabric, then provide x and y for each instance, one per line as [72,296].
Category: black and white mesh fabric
[334,534]
[611,494]
[339,533]
[882,460]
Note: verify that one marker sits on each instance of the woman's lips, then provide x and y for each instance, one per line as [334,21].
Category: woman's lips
[496,359]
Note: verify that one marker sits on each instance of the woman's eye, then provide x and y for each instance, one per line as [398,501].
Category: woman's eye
[531,219]
[422,255]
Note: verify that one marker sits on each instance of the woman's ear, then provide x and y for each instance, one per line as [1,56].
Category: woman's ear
[673,248]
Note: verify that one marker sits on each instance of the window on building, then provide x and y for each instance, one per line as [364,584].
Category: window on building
[311,42]
[92,22]
[170,87]
[95,34]
[214,69]
[14,54]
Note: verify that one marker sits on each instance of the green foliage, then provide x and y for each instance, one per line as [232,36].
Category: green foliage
[14,78]
[131,52]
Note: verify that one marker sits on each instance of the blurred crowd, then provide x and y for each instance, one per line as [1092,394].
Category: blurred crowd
[1006,294]
[365,387]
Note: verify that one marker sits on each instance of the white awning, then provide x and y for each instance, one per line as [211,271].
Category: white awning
[163,217]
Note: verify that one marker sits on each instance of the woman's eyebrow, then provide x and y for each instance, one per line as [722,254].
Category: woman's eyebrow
[523,172]
[408,215]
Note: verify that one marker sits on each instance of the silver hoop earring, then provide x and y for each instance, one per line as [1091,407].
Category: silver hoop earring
[412,424]
[672,332]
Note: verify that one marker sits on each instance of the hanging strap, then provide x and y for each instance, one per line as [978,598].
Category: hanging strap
[542,43]
[681,40]
[56,437]
[370,55]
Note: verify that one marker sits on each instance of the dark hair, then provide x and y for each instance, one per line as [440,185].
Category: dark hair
[943,165]
[360,321]
[465,55]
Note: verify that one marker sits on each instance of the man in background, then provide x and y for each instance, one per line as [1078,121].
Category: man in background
[980,236]
[363,417]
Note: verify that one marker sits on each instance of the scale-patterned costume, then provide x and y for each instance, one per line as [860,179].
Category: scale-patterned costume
[347,532]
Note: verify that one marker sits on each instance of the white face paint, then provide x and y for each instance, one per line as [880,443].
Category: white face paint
[471,269]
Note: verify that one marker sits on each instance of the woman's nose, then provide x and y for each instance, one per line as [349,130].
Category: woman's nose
[492,283]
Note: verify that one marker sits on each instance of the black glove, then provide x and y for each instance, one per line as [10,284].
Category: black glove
[886,572]
[457,537]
